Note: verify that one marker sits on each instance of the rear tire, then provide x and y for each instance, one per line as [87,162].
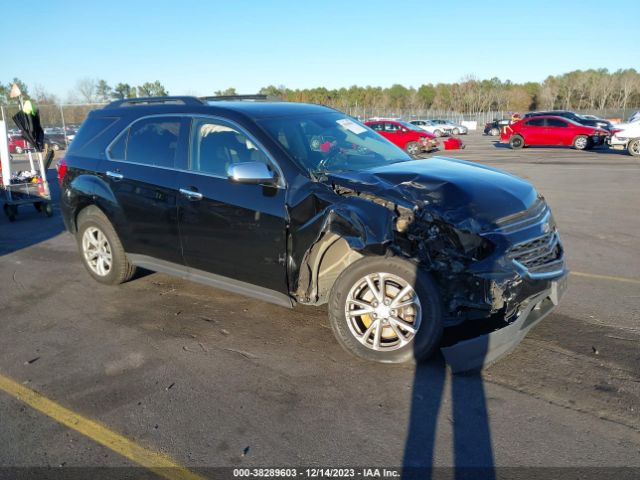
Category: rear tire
[633,147]
[516,142]
[100,248]
[456,131]
[18,150]
[420,307]
[437,133]
[494,132]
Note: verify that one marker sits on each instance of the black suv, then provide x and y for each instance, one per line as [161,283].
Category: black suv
[295,203]
[599,123]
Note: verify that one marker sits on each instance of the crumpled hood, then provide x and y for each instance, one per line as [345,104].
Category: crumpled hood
[465,194]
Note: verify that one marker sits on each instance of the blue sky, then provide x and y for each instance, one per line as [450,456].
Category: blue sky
[199,46]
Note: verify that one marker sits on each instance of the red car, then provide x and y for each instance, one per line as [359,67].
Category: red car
[410,138]
[17,144]
[551,131]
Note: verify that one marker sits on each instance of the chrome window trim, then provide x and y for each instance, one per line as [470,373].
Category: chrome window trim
[281,180]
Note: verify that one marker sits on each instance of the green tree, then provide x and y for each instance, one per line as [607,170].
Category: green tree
[122,91]
[103,91]
[155,89]
[226,92]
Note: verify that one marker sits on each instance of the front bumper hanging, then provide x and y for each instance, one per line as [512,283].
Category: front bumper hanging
[479,352]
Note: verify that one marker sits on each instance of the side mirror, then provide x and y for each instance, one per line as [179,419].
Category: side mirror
[251,173]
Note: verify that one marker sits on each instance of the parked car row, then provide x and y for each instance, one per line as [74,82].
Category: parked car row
[566,128]
[410,137]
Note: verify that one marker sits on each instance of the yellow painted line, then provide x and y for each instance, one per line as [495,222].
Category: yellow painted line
[606,277]
[157,462]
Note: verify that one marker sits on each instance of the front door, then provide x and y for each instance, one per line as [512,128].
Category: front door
[230,229]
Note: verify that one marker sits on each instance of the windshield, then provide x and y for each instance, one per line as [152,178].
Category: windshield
[411,126]
[332,142]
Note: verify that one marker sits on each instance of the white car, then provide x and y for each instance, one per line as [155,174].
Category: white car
[626,135]
[451,127]
[429,126]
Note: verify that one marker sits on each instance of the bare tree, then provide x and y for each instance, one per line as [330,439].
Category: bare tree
[86,89]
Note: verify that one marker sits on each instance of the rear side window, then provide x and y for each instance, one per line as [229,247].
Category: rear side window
[118,150]
[154,142]
[535,122]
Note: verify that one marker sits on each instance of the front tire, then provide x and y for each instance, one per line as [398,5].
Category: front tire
[100,248]
[516,142]
[494,132]
[456,131]
[437,133]
[18,150]
[581,142]
[634,147]
[386,310]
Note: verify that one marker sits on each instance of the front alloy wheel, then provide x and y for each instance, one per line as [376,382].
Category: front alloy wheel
[386,309]
[383,311]
[97,251]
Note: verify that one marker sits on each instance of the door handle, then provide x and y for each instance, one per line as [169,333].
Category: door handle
[115,175]
[190,194]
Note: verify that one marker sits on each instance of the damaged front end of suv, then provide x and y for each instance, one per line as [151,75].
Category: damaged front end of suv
[487,238]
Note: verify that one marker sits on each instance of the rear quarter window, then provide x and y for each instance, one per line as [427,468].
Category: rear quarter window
[86,140]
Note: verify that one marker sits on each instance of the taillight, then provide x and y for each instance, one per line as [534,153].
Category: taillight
[61,167]
[616,130]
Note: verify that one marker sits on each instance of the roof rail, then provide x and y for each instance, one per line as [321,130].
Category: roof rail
[220,98]
[131,102]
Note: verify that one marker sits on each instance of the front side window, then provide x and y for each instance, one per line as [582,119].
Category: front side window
[154,142]
[391,127]
[556,122]
[216,146]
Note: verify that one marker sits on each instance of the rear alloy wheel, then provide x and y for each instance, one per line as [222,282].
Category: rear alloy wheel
[516,142]
[456,131]
[437,133]
[101,249]
[386,310]
[494,132]
[412,148]
[55,147]
[581,142]
[18,150]
[634,147]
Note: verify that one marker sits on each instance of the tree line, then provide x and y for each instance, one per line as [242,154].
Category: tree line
[594,89]
[578,90]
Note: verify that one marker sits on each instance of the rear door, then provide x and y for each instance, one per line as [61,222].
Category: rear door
[231,229]
[140,169]
[534,131]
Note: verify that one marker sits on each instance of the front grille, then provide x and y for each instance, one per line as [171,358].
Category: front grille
[540,255]
[538,212]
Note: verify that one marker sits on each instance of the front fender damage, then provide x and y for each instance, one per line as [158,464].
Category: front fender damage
[481,294]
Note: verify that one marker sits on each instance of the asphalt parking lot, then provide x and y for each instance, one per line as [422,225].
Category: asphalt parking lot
[206,378]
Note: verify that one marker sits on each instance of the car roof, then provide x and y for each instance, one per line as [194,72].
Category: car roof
[180,105]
